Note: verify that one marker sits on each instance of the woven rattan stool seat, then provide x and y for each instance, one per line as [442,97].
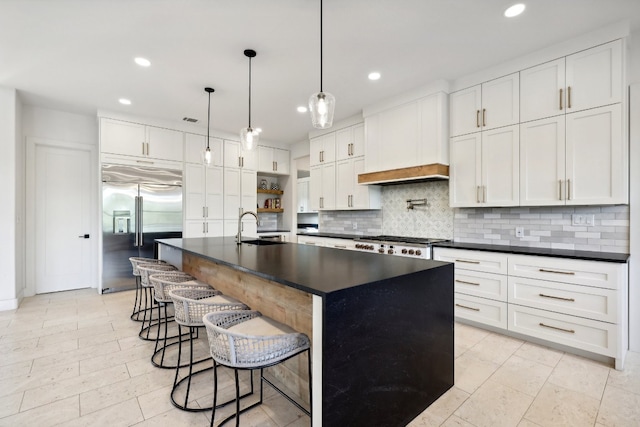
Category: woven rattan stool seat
[148,269]
[166,281]
[137,304]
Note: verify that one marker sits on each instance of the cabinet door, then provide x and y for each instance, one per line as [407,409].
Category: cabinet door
[542,162]
[315,187]
[433,145]
[542,91]
[195,146]
[232,201]
[231,154]
[194,228]
[364,196]
[501,102]
[596,157]
[303,195]
[464,107]
[214,192]
[594,77]
[344,184]
[344,143]
[248,189]
[265,159]
[194,192]
[329,186]
[214,228]
[249,159]
[122,137]
[500,167]
[329,147]
[315,151]
[165,143]
[399,136]
[465,173]
[357,149]
[281,160]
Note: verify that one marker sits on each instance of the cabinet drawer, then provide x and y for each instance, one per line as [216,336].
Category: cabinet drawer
[485,285]
[488,262]
[481,310]
[587,273]
[585,334]
[584,301]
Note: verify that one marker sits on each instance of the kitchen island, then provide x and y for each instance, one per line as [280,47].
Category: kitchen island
[381,327]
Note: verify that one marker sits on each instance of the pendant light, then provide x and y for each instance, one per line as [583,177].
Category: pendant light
[248,135]
[321,104]
[206,154]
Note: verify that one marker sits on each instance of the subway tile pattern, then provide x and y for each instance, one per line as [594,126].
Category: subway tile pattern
[546,227]
[360,223]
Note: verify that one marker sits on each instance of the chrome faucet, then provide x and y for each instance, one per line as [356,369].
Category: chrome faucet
[239,236]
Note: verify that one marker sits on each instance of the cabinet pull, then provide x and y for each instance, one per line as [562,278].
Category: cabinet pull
[484,117]
[242,161]
[143,153]
[148,151]
[207,227]
[203,213]
[544,270]
[203,228]
[477,118]
[207,211]
[560,188]
[239,162]
[340,246]
[468,262]
[467,283]
[560,99]
[148,162]
[571,331]
[568,97]
[477,192]
[560,298]
[568,189]
[467,307]
[484,194]
[310,243]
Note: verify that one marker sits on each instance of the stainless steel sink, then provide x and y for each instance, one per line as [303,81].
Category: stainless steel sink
[262,242]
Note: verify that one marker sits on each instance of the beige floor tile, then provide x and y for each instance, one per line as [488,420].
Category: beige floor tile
[116,358]
[581,375]
[494,405]
[38,352]
[45,416]
[281,411]
[10,346]
[619,408]
[629,378]
[526,423]
[122,414]
[10,404]
[73,386]
[538,353]
[39,332]
[15,370]
[176,418]
[495,348]
[454,421]
[77,333]
[75,355]
[471,372]
[558,406]
[441,409]
[523,375]
[33,380]
[466,336]
[156,402]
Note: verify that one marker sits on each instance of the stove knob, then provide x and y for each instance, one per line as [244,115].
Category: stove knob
[410,251]
[381,250]
[370,247]
[390,251]
[404,251]
[357,246]
[418,252]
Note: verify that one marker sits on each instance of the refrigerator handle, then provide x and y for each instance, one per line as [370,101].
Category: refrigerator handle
[136,243]
[140,222]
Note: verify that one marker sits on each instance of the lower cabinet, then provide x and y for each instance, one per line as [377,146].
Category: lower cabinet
[578,304]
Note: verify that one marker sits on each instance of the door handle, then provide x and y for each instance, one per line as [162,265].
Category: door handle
[83,236]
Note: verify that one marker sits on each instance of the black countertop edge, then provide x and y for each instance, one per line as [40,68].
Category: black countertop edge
[525,250]
[331,235]
[273,231]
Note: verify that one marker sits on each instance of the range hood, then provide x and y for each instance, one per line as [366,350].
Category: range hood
[432,172]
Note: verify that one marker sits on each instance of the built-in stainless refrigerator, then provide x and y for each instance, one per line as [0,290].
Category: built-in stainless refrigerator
[139,205]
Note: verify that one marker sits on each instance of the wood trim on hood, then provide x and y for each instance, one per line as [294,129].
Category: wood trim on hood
[434,171]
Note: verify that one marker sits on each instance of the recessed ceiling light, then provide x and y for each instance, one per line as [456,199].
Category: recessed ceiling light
[143,62]
[124,101]
[514,10]
[302,109]
[374,76]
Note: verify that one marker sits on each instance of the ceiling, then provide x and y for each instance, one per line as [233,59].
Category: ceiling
[77,55]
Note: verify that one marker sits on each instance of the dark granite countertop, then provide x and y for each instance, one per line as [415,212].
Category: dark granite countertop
[524,250]
[317,270]
[331,235]
[273,231]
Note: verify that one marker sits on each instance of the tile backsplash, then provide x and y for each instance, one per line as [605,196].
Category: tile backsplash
[367,223]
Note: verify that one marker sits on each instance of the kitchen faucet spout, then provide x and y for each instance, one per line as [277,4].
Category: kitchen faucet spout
[239,235]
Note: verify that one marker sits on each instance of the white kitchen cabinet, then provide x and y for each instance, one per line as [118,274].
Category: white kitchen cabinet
[134,139]
[273,160]
[322,149]
[485,168]
[239,192]
[200,228]
[587,79]
[303,195]
[203,195]
[248,227]
[236,157]
[195,146]
[577,159]
[322,187]
[350,142]
[350,194]
[491,105]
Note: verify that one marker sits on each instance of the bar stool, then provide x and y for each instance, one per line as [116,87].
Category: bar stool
[162,283]
[191,304]
[145,271]
[248,340]
[135,314]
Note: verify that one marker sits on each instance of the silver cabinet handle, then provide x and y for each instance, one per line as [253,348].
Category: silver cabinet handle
[484,117]
[143,153]
[477,194]
[559,189]
[146,162]
[568,96]
[203,228]
[484,194]
[203,212]
[310,243]
[477,118]
[468,262]
[560,99]
[207,228]
[467,283]
[571,331]
[568,189]
[207,211]
[148,151]
[544,270]
[467,307]
[340,246]
[555,297]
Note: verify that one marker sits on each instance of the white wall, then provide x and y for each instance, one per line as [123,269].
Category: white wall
[8,143]
[59,125]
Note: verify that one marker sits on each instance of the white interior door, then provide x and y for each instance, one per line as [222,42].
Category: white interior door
[64,230]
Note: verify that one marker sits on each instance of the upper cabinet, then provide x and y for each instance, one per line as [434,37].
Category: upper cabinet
[350,142]
[133,139]
[587,79]
[195,146]
[323,149]
[487,106]
[236,157]
[273,160]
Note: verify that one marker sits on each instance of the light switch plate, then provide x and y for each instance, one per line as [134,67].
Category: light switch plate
[519,231]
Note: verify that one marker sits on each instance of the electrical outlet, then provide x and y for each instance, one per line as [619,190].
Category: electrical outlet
[519,231]
[580,219]
[590,220]
[355,225]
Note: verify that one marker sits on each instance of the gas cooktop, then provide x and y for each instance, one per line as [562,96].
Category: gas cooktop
[401,239]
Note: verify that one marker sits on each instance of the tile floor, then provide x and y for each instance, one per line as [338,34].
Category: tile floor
[74,359]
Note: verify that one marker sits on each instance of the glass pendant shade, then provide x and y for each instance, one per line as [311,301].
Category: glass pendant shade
[321,107]
[206,156]
[248,138]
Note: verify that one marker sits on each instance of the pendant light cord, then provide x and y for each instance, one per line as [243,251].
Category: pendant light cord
[208,119]
[320,45]
[250,92]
